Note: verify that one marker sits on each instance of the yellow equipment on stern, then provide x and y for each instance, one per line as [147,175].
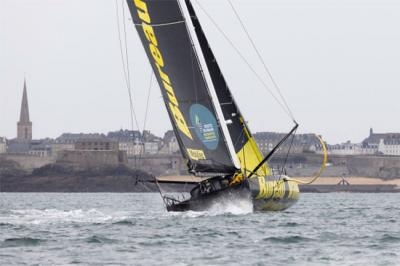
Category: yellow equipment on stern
[273,193]
[276,193]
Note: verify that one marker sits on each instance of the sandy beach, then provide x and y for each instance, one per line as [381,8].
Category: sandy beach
[319,181]
[352,181]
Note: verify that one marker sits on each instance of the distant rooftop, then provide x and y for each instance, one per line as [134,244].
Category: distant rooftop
[100,139]
[18,147]
[375,138]
[74,137]
[125,135]
[169,135]
[299,139]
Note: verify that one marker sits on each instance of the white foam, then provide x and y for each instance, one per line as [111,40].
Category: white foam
[225,206]
[235,207]
[37,216]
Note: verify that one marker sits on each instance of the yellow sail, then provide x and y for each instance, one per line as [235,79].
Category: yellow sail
[250,155]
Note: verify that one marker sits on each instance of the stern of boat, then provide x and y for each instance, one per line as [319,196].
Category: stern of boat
[273,193]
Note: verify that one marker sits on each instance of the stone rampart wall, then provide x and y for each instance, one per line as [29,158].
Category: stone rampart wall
[159,164]
[28,162]
[374,166]
[88,159]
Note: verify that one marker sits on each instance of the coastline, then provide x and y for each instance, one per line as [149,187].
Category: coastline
[128,183]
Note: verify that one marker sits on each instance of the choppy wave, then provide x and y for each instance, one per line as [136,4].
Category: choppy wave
[100,239]
[130,229]
[21,241]
[388,238]
[287,239]
[290,224]
[125,222]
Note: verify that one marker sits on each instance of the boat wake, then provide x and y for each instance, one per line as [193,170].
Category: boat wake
[37,216]
[238,206]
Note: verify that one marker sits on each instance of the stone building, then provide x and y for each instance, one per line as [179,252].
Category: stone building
[90,151]
[346,148]
[3,145]
[152,143]
[41,148]
[371,143]
[21,144]
[266,141]
[151,147]
[72,138]
[382,143]
[24,125]
[125,135]
[96,144]
[374,144]
[129,141]
[389,146]
[131,149]
[57,147]
[66,142]
[170,143]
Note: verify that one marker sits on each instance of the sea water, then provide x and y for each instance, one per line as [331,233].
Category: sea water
[135,229]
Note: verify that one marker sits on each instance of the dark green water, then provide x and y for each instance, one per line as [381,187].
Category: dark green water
[134,229]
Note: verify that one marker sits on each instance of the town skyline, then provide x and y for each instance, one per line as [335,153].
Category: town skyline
[75,82]
[24,108]
[375,142]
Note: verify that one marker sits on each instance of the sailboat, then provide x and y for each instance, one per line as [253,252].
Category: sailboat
[211,131]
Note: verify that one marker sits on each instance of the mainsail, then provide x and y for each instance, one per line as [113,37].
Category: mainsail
[188,93]
[195,92]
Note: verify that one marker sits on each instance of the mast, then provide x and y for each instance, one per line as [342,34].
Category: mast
[207,76]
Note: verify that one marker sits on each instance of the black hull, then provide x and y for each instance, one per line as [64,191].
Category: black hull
[204,202]
[265,194]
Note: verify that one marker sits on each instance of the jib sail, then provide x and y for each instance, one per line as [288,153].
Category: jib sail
[245,146]
[187,89]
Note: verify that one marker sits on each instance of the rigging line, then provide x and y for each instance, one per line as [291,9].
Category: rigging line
[322,168]
[146,113]
[128,70]
[148,100]
[123,60]
[261,58]
[268,156]
[287,155]
[244,60]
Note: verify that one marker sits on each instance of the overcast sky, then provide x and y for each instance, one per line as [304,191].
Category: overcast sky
[337,63]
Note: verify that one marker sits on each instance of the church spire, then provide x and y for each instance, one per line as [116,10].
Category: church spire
[24,125]
[24,115]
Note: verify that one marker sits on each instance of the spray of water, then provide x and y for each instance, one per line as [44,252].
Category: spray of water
[35,216]
[239,206]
